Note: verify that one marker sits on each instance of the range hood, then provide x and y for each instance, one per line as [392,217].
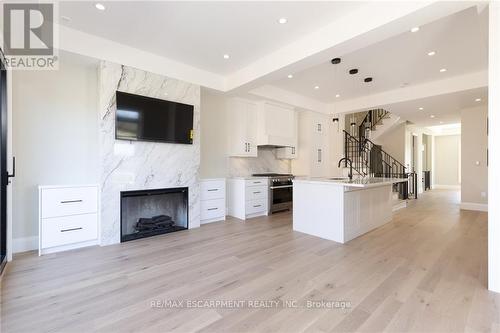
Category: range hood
[276,126]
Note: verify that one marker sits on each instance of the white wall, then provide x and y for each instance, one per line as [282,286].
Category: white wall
[214,140]
[447,161]
[494,151]
[393,142]
[54,136]
[474,158]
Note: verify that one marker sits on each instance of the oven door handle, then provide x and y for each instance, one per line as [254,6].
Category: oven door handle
[283,186]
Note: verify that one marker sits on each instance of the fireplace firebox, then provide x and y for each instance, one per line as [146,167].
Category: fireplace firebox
[147,213]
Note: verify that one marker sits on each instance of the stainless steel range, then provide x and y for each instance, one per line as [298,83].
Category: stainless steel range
[280,191]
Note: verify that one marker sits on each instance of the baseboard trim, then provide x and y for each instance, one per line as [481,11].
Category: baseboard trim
[474,206]
[24,244]
[446,187]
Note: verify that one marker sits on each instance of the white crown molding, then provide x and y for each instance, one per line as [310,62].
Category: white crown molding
[104,49]
[424,90]
[284,96]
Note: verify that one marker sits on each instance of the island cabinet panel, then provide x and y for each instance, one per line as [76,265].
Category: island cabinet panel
[341,211]
[365,210]
[316,210]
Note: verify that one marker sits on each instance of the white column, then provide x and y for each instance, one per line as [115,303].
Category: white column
[494,149]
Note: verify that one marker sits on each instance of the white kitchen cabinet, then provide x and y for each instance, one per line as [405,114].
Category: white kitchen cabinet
[313,158]
[242,127]
[248,198]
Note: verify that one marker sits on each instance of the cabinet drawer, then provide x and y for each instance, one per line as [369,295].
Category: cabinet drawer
[256,206]
[213,189]
[57,231]
[256,192]
[213,208]
[256,182]
[68,201]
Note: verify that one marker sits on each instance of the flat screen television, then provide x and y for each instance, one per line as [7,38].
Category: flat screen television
[142,118]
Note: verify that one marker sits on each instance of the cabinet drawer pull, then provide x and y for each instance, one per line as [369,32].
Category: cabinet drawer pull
[71,201]
[257,182]
[72,229]
[257,206]
[213,208]
[257,192]
[212,189]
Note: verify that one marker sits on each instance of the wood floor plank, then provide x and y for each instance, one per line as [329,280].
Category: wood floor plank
[425,271]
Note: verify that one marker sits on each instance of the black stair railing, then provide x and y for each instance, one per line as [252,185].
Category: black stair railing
[369,159]
[371,120]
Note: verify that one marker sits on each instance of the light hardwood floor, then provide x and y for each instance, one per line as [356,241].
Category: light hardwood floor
[423,272]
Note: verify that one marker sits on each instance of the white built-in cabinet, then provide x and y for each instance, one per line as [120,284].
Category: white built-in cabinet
[313,156]
[213,200]
[253,124]
[242,125]
[68,217]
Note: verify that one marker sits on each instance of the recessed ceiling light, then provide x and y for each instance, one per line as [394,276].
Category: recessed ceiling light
[430,54]
[282,20]
[415,29]
[337,96]
[316,87]
[442,70]
[433,116]
[290,76]
[226,56]
[420,108]
[100,6]
[478,99]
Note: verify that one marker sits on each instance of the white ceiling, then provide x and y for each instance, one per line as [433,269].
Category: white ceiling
[200,33]
[446,108]
[459,40]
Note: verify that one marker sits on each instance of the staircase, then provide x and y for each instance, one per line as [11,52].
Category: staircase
[370,160]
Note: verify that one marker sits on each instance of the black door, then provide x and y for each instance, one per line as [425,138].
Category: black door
[4,178]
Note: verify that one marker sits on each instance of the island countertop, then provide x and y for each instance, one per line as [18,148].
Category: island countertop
[360,182]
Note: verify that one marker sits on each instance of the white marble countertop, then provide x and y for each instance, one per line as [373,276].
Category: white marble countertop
[361,182]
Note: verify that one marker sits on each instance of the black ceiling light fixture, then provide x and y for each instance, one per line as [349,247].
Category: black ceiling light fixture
[353,124]
[336,61]
[353,71]
[335,120]
[368,79]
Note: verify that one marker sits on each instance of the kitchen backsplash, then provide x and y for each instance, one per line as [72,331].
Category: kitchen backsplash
[266,161]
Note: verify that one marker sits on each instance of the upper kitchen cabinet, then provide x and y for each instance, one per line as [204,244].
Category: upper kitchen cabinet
[276,125]
[242,124]
[314,156]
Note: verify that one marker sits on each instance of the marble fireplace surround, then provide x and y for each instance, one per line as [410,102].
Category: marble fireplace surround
[128,165]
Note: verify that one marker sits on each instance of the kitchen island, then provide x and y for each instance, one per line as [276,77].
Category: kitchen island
[342,209]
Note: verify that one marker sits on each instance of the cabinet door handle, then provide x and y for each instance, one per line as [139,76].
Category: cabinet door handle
[257,206]
[212,189]
[71,201]
[257,192]
[72,229]
[319,155]
[319,127]
[213,208]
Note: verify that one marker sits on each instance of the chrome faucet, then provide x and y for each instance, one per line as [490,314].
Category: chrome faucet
[350,164]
